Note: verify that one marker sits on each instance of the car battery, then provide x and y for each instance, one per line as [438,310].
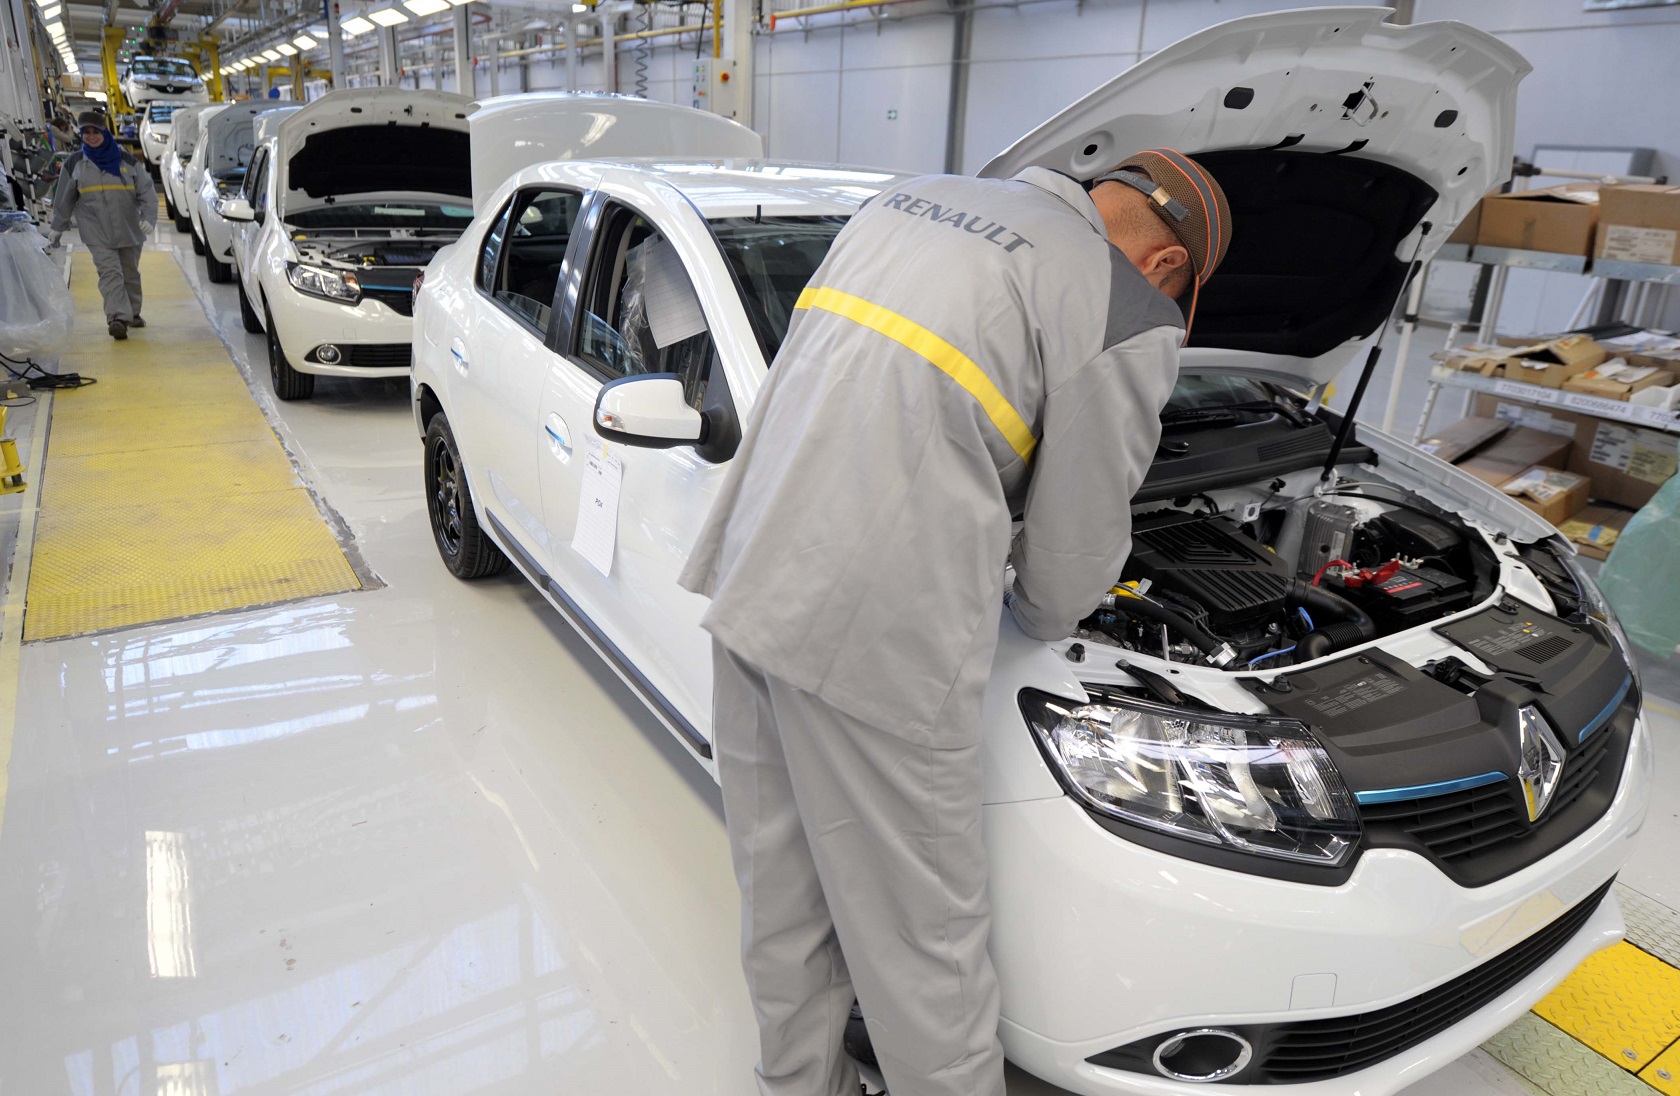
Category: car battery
[1398,596]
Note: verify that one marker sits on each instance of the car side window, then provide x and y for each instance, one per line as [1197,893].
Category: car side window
[524,252]
[255,178]
[491,251]
[640,311]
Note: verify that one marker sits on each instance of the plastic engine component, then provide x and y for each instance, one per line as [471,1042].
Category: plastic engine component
[1211,563]
[1407,597]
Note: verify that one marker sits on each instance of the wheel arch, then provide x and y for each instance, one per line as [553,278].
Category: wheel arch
[427,405]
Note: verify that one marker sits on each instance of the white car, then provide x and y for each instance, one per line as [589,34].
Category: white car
[230,142]
[192,175]
[177,151]
[172,78]
[156,124]
[340,212]
[1230,843]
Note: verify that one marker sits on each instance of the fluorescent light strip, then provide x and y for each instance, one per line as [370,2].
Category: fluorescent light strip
[426,7]
[303,41]
[387,17]
[287,48]
[355,25]
[49,13]
[271,55]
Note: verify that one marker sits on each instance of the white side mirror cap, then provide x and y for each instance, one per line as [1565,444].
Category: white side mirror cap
[648,410]
[236,209]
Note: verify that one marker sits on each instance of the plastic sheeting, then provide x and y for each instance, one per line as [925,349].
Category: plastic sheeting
[35,306]
[1641,579]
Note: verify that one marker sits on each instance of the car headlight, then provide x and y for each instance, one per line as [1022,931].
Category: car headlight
[332,285]
[1594,605]
[1254,785]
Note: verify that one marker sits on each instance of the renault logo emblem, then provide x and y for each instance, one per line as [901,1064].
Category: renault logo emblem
[1541,761]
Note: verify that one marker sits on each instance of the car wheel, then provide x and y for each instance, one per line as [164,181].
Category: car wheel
[198,241]
[182,224]
[289,384]
[466,549]
[220,273]
[169,208]
[247,315]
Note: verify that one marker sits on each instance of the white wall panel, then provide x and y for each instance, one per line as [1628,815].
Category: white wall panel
[1166,21]
[1531,15]
[895,117]
[923,41]
[803,122]
[1058,29]
[1007,99]
[792,50]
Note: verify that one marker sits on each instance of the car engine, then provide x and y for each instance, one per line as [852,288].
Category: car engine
[1289,584]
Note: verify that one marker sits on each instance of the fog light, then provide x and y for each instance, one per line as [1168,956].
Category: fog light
[327,354]
[1203,1056]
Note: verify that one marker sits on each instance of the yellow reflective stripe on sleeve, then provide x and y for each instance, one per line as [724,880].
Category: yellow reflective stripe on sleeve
[951,361]
[107,186]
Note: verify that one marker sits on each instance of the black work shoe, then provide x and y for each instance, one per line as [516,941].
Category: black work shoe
[118,329]
[137,321]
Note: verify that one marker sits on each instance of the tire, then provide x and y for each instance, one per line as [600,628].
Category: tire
[289,384]
[219,272]
[182,224]
[466,549]
[198,241]
[169,208]
[247,315]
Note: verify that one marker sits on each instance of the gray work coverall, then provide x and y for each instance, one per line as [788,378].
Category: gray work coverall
[114,215]
[970,349]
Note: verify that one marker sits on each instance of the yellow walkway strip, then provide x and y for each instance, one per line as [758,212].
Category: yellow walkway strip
[918,339]
[165,493]
[1623,1003]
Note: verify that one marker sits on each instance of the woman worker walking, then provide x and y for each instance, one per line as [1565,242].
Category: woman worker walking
[116,209]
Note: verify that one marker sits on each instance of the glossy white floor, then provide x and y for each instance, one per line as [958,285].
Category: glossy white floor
[410,840]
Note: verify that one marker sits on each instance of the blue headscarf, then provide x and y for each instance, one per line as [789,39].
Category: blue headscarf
[108,156]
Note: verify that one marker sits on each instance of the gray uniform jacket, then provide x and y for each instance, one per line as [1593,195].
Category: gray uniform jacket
[969,349]
[111,210]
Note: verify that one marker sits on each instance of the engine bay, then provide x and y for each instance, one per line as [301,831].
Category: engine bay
[1261,585]
[360,253]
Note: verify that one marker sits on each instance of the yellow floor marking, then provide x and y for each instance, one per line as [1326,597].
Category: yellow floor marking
[166,493]
[1664,1073]
[1621,1002]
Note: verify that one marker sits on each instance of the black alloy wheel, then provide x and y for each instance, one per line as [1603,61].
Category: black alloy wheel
[289,384]
[465,548]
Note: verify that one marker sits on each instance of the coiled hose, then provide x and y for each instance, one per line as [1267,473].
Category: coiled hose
[1351,625]
[641,53]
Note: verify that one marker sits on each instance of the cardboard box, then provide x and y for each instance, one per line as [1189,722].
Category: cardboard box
[1494,473]
[1551,420]
[1554,218]
[1552,363]
[1617,379]
[1525,447]
[1550,492]
[1639,224]
[1467,229]
[1455,442]
[1627,463]
[1595,529]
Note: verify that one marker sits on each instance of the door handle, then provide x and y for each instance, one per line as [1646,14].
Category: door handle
[458,351]
[559,437]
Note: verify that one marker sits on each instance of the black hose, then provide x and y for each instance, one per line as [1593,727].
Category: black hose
[1136,606]
[1330,637]
[1319,601]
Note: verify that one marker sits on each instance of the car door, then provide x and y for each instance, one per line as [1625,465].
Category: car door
[499,364]
[255,191]
[638,312]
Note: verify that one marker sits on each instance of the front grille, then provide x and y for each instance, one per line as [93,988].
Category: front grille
[1315,1050]
[1473,834]
[371,355]
[391,286]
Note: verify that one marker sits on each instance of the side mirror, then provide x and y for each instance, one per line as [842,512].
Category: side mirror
[648,411]
[236,209]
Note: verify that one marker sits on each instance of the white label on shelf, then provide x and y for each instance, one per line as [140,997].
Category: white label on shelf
[1612,446]
[1633,244]
[1533,418]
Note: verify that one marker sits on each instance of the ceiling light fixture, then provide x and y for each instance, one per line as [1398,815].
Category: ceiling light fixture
[426,7]
[303,41]
[579,9]
[460,3]
[355,25]
[387,17]
[56,29]
[51,12]
[271,55]
[287,48]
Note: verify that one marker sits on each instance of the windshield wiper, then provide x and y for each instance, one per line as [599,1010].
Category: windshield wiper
[1224,411]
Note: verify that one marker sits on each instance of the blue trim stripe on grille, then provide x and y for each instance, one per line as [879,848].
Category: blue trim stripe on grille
[1421,791]
[1603,717]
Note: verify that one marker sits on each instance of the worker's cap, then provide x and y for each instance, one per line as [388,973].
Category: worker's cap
[90,119]
[1188,198]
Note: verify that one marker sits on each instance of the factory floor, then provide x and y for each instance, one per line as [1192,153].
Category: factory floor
[399,834]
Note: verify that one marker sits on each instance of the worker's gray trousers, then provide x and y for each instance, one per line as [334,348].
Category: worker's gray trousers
[861,864]
[119,281]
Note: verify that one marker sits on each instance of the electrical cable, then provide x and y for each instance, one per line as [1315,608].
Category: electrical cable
[1306,617]
[1269,654]
[43,379]
[640,55]
[1327,566]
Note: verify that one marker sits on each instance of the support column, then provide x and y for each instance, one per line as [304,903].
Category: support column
[609,51]
[389,75]
[956,119]
[335,42]
[465,79]
[738,48]
[495,65]
[571,54]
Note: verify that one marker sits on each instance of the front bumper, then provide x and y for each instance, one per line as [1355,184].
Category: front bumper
[218,232]
[303,323]
[1135,943]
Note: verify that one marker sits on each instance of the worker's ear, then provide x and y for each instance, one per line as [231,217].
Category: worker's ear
[1163,264]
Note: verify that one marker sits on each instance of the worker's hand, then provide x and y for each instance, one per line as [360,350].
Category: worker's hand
[54,240]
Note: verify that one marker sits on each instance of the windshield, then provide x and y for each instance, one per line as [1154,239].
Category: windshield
[164,66]
[384,215]
[162,112]
[772,259]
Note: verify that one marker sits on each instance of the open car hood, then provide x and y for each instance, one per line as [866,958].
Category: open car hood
[1337,137]
[232,135]
[366,140]
[514,132]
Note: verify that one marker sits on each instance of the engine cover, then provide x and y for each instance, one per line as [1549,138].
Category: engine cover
[1209,561]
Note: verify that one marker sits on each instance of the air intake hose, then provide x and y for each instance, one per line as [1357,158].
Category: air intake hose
[1353,625]
[1217,653]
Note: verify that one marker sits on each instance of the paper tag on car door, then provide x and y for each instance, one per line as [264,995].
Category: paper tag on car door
[596,535]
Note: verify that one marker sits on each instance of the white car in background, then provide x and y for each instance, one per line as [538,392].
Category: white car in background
[177,151]
[192,176]
[171,78]
[230,142]
[341,211]
[1269,820]
[155,128]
